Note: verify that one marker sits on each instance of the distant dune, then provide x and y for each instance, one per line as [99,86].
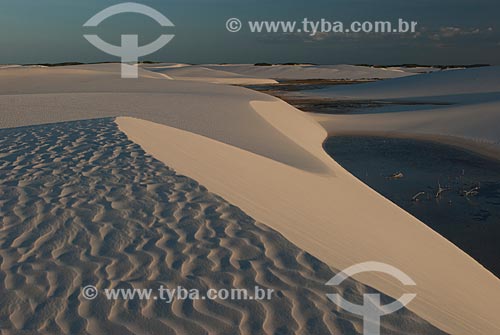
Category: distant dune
[351,72]
[204,74]
[468,113]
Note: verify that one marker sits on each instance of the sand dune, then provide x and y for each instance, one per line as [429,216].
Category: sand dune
[456,84]
[84,205]
[13,66]
[470,120]
[298,72]
[207,75]
[250,74]
[265,157]
[53,98]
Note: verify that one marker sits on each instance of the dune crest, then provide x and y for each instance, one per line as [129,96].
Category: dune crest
[301,205]
[265,157]
[86,206]
[463,109]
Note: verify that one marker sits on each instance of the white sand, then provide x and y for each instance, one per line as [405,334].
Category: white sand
[471,119]
[302,72]
[206,75]
[248,74]
[265,157]
[9,66]
[83,205]
[446,85]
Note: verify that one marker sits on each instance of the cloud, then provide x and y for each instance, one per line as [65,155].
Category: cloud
[452,32]
[438,37]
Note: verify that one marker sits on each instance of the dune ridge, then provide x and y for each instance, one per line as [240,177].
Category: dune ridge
[250,74]
[467,113]
[85,205]
[265,157]
[307,71]
[208,75]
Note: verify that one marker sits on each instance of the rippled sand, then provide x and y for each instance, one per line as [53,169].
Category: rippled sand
[81,205]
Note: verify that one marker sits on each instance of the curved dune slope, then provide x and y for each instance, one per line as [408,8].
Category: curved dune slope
[265,157]
[469,118]
[35,96]
[86,206]
[207,75]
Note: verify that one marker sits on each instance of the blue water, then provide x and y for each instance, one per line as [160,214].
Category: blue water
[470,219]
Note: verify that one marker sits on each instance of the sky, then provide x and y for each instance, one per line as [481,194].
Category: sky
[448,31]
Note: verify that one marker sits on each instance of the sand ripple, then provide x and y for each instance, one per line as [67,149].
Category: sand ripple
[80,204]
